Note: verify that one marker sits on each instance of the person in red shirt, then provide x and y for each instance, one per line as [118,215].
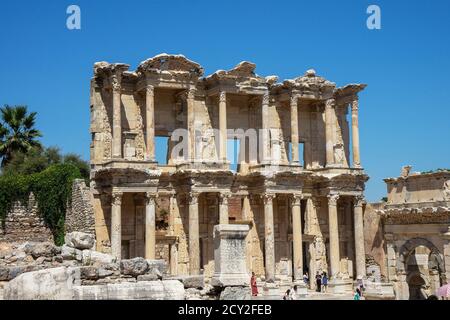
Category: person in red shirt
[253,285]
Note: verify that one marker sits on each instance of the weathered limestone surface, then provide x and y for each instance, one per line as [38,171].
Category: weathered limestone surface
[80,213]
[49,284]
[230,260]
[80,240]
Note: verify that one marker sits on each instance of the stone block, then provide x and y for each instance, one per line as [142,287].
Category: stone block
[68,253]
[80,240]
[197,282]
[236,293]
[134,267]
[48,284]
[43,249]
[229,256]
[90,257]
[148,277]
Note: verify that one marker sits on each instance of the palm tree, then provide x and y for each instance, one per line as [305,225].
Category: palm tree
[17,132]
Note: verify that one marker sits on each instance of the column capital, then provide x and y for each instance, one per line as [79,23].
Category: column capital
[193,197]
[333,199]
[150,89]
[297,199]
[316,203]
[265,98]
[222,96]
[116,82]
[150,198]
[355,104]
[223,197]
[268,198]
[117,198]
[191,93]
[330,103]
[359,201]
[294,99]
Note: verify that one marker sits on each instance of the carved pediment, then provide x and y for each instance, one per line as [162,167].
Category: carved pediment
[172,64]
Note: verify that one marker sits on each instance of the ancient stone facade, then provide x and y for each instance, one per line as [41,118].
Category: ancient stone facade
[23,223]
[298,183]
[416,228]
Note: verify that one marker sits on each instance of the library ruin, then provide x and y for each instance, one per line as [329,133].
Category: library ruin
[298,182]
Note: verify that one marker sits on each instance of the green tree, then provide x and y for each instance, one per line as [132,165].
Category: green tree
[17,132]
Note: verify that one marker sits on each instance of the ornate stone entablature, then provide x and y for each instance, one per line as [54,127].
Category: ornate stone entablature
[175,65]
[422,215]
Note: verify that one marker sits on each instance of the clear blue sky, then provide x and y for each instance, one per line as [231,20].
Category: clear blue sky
[404,112]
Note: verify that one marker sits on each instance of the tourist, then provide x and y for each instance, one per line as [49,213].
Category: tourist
[293,293]
[357,295]
[287,295]
[325,282]
[306,278]
[360,285]
[318,282]
[254,285]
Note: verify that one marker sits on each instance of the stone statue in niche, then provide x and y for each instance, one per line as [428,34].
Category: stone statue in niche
[320,254]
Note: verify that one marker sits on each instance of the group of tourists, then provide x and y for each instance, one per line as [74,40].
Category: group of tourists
[322,282]
[291,294]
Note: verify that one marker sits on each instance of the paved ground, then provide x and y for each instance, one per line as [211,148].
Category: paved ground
[312,295]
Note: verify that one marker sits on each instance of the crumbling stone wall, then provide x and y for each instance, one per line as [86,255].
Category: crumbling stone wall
[80,213]
[374,236]
[23,223]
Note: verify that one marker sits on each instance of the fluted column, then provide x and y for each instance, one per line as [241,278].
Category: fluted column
[194,235]
[360,254]
[297,236]
[116,225]
[265,129]
[294,129]
[223,125]
[191,123]
[150,123]
[355,133]
[150,226]
[269,237]
[223,208]
[117,116]
[333,235]
[329,118]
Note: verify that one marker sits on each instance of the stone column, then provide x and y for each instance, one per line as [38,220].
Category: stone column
[223,208]
[116,225]
[297,236]
[150,226]
[294,129]
[360,255]
[223,125]
[265,145]
[269,237]
[446,237]
[117,116]
[333,235]
[174,259]
[355,134]
[191,123]
[194,235]
[329,118]
[150,123]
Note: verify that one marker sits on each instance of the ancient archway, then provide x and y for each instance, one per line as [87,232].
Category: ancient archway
[423,265]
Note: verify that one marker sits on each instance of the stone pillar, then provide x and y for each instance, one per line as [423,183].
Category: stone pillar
[265,145]
[116,225]
[360,255]
[329,119]
[269,237]
[247,215]
[194,235]
[150,226]
[223,208]
[333,235]
[294,130]
[150,123]
[229,256]
[312,265]
[355,134]
[297,236]
[446,252]
[191,124]
[174,259]
[117,116]
[223,125]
